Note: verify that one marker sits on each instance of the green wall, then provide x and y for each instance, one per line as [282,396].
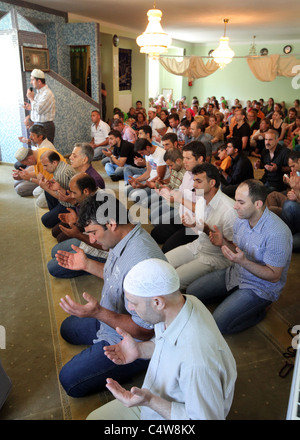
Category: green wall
[237,81]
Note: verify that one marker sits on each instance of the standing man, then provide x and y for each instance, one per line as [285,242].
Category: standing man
[41,105]
[242,129]
[99,134]
[191,374]
[260,253]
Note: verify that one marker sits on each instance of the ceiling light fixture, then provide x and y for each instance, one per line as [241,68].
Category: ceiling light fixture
[154,41]
[223,54]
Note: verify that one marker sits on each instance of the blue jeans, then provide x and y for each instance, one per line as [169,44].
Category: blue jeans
[240,309]
[86,372]
[58,271]
[50,219]
[113,169]
[291,215]
[130,170]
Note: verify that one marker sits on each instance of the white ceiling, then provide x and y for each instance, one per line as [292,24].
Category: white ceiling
[196,21]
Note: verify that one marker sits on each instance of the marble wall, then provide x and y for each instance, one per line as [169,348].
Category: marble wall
[72,119]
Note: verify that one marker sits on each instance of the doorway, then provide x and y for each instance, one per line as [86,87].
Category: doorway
[81,68]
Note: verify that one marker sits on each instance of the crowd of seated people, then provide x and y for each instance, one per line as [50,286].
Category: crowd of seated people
[193,166]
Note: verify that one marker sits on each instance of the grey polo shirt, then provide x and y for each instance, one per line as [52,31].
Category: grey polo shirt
[137,246]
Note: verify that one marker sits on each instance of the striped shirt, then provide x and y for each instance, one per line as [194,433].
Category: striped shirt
[269,242]
[63,174]
[39,169]
[176,178]
[43,106]
[136,246]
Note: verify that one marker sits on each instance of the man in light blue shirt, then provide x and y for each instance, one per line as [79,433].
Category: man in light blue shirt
[260,255]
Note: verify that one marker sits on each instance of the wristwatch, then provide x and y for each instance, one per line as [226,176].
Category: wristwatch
[30,179]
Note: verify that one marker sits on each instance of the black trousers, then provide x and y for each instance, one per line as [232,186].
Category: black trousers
[172,236]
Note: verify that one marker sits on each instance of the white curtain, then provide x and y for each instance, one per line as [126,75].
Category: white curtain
[267,68]
[192,67]
[264,68]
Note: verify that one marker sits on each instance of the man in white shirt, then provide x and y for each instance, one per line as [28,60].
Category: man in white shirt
[99,134]
[157,125]
[214,208]
[41,104]
[192,372]
[174,233]
[156,168]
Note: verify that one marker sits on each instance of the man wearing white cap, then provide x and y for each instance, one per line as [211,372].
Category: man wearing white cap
[158,126]
[41,105]
[192,372]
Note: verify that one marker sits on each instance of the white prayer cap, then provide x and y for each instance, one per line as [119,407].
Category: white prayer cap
[37,73]
[152,109]
[152,277]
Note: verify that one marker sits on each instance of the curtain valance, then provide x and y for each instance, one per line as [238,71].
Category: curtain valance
[264,68]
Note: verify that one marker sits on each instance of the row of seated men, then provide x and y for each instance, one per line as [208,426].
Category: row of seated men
[214,224]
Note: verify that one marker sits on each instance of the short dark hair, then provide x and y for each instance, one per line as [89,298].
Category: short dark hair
[174,116]
[39,130]
[53,156]
[211,171]
[185,123]
[86,182]
[197,148]
[257,190]
[294,155]
[170,137]
[141,144]
[146,129]
[115,133]
[172,154]
[100,208]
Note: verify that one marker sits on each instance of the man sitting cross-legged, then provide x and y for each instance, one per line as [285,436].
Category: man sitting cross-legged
[214,208]
[81,187]
[94,324]
[260,252]
[192,372]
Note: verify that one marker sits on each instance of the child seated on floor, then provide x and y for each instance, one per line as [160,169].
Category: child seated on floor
[225,161]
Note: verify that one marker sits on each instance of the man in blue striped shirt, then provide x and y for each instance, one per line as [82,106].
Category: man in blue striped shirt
[260,254]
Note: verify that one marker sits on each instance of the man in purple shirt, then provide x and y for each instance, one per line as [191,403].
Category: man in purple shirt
[81,160]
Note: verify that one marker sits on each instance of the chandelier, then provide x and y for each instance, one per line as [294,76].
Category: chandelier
[154,41]
[223,54]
